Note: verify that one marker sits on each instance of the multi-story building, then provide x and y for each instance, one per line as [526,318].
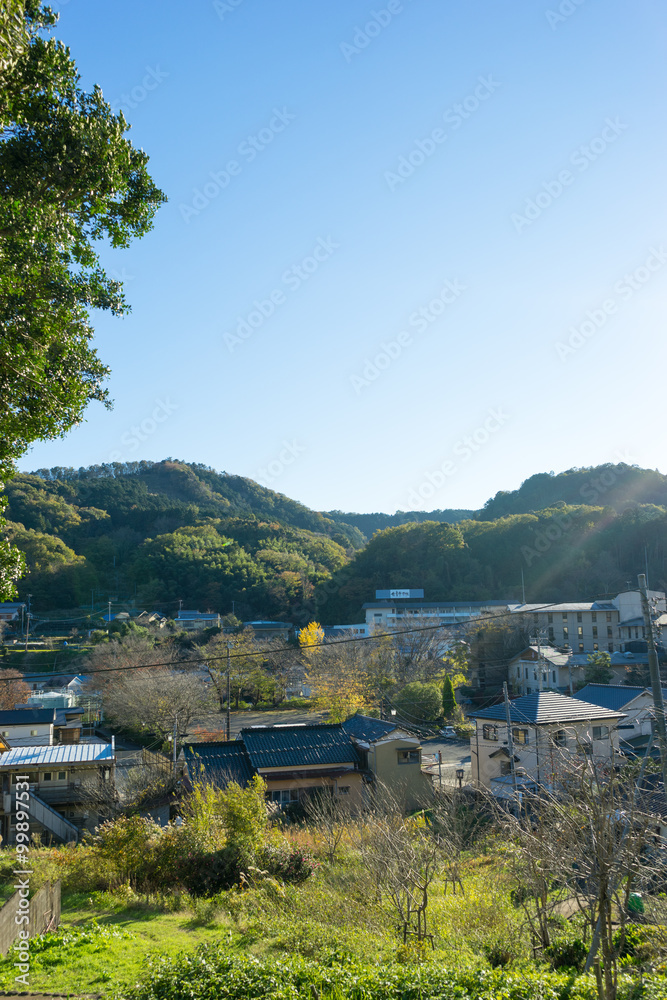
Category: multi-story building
[543,668]
[587,626]
[405,608]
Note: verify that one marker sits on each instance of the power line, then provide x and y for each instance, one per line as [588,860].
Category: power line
[315,645]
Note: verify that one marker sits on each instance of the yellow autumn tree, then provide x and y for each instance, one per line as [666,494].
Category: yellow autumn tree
[336,672]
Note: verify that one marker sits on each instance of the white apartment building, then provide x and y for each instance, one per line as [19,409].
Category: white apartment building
[587,626]
[403,608]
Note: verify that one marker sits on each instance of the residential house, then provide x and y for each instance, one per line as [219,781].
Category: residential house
[11,614]
[70,788]
[545,726]
[270,630]
[586,626]
[191,621]
[393,756]
[543,668]
[345,759]
[28,726]
[637,706]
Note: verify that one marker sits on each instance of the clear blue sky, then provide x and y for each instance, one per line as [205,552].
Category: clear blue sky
[446,187]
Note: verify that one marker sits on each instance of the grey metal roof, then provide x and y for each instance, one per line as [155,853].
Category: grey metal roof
[544,707]
[69,753]
[405,602]
[220,762]
[613,696]
[365,728]
[299,746]
[27,717]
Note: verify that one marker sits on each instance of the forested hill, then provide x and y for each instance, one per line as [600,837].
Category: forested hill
[368,524]
[617,486]
[160,532]
[166,531]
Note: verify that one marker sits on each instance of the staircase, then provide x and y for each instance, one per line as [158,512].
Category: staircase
[51,820]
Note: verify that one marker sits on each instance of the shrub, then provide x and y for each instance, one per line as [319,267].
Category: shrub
[567,953]
[288,863]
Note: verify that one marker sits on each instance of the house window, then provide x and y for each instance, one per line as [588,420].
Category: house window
[34,732]
[610,647]
[600,732]
[544,676]
[580,631]
[408,756]
[581,647]
[5,732]
[609,616]
[579,616]
[610,632]
[595,631]
[46,776]
[594,616]
[551,635]
[559,738]
[565,633]
[343,789]
[505,767]
[62,775]
[526,673]
[550,618]
[564,617]
[595,647]
[490,732]
[553,676]
[520,735]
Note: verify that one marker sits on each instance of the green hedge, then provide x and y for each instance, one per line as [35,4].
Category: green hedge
[211,974]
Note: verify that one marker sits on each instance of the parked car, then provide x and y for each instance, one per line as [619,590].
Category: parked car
[448,733]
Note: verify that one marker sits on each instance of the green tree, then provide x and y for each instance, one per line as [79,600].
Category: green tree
[419,702]
[68,179]
[598,669]
[448,698]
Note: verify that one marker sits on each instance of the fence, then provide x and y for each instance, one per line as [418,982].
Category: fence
[44,915]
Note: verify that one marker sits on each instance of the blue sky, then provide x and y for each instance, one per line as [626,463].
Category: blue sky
[414,252]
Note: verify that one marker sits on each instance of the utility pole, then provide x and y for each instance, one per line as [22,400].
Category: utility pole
[175,737]
[229,693]
[656,684]
[27,624]
[109,618]
[510,742]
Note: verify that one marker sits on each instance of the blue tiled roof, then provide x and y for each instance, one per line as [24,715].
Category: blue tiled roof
[65,753]
[299,746]
[220,762]
[613,696]
[544,707]
[27,717]
[365,728]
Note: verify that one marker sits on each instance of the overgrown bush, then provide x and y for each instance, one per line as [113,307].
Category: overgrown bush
[567,953]
[287,862]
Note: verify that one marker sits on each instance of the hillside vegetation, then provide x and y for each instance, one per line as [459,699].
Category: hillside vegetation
[169,531]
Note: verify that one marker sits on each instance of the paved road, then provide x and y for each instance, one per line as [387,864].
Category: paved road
[212,726]
[455,756]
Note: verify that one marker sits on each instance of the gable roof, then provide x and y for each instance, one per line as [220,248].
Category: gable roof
[297,746]
[364,728]
[613,696]
[27,717]
[222,762]
[544,707]
[65,753]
